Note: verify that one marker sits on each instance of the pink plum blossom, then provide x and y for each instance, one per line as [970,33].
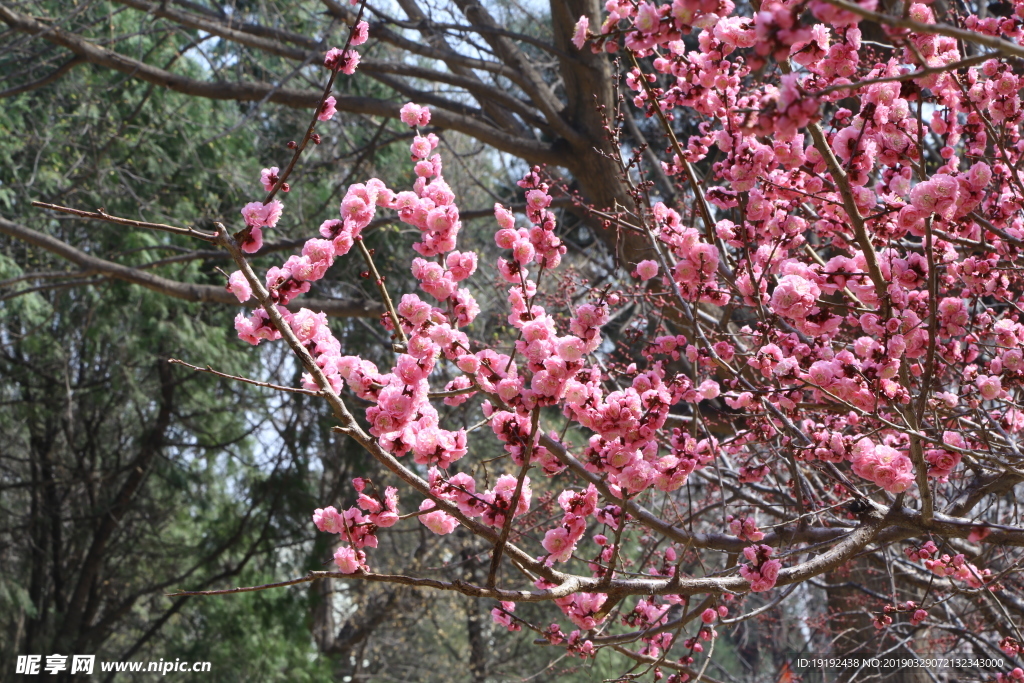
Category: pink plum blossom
[439,522]
[348,559]
[359,34]
[328,111]
[414,115]
[647,270]
[579,34]
[239,286]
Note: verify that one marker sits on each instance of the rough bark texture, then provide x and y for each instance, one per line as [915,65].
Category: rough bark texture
[589,86]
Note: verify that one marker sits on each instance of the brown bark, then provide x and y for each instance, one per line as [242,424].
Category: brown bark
[179,290]
[589,85]
[477,617]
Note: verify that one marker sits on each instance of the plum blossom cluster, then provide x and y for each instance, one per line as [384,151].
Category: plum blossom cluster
[1016,674]
[762,572]
[745,529]
[258,215]
[839,322]
[503,616]
[627,423]
[910,607]
[357,526]
[491,506]
[582,609]
[957,567]
[696,261]
[885,466]
[560,542]
[346,61]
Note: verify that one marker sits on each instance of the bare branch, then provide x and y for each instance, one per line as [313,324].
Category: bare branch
[102,215]
[173,288]
[46,80]
[403,342]
[266,385]
[449,57]
[540,92]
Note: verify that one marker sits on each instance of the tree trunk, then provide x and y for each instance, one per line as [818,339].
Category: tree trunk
[589,87]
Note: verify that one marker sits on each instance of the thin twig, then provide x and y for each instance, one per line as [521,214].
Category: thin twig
[453,392]
[46,80]
[913,75]
[319,107]
[402,345]
[459,586]
[56,285]
[702,205]
[266,385]
[102,215]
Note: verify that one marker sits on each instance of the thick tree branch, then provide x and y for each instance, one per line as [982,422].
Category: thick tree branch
[537,88]
[449,57]
[569,584]
[1003,47]
[481,91]
[151,445]
[102,215]
[173,288]
[252,39]
[438,41]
